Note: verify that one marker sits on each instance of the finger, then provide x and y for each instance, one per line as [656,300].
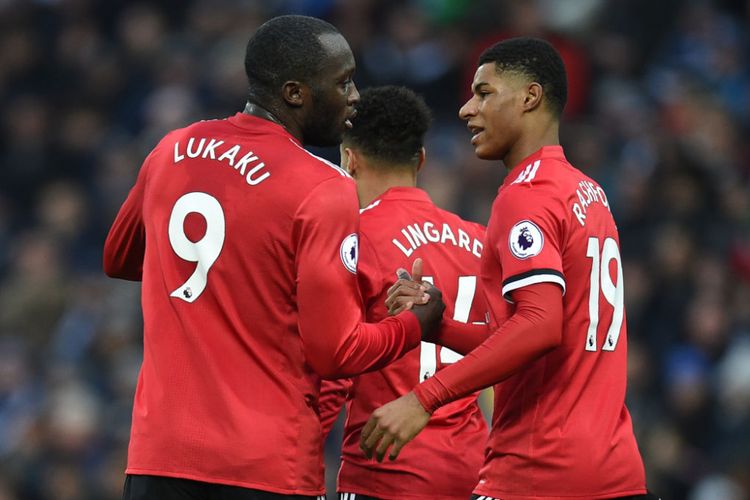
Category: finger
[369,444]
[402,287]
[402,274]
[416,270]
[403,293]
[405,285]
[366,432]
[397,445]
[404,307]
[399,304]
[385,443]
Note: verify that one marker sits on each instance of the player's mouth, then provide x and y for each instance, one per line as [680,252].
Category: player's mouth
[476,132]
[348,121]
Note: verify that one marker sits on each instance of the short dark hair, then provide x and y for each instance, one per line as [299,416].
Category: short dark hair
[390,124]
[537,59]
[282,49]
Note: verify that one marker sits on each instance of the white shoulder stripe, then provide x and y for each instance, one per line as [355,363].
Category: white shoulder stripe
[338,169]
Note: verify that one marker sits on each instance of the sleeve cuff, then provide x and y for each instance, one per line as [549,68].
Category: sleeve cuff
[428,393]
[412,328]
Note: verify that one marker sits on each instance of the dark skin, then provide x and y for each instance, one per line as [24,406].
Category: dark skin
[315,110]
[509,120]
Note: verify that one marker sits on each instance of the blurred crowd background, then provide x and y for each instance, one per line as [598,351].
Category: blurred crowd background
[659,113]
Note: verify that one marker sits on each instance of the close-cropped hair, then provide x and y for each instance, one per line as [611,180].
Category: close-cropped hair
[536,59]
[282,49]
[390,125]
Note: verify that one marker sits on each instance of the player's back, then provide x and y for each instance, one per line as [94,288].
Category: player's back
[225,394]
[399,226]
[561,426]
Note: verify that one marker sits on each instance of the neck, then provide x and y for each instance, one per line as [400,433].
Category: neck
[265,112]
[534,138]
[371,184]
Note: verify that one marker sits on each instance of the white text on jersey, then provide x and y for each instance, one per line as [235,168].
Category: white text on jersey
[588,193]
[208,150]
[421,233]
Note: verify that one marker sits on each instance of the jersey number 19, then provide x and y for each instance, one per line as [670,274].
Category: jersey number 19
[613,292]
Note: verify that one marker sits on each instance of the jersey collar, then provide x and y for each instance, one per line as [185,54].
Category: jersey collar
[405,193]
[545,152]
[250,122]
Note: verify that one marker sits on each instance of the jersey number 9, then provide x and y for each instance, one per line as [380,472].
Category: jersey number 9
[203,252]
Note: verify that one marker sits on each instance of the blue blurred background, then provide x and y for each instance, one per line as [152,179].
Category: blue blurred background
[659,113]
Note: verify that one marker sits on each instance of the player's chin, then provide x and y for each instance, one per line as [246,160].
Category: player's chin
[484,152]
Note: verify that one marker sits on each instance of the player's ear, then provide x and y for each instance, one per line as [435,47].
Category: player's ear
[349,161]
[422,156]
[295,93]
[533,97]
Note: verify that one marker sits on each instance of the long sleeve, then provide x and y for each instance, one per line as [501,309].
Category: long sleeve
[461,337]
[534,329]
[337,342]
[125,246]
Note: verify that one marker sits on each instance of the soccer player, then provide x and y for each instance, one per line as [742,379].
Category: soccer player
[244,242]
[552,277]
[399,223]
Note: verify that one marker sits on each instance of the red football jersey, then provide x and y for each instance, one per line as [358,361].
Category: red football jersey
[247,246]
[398,227]
[560,425]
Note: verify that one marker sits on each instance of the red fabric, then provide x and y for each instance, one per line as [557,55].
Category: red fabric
[450,250]
[534,329]
[126,241]
[560,425]
[461,337]
[333,394]
[228,389]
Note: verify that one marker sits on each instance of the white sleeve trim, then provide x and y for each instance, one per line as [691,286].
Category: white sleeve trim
[532,280]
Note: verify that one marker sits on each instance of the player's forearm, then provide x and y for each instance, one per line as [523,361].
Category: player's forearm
[125,246]
[367,347]
[461,337]
[534,329]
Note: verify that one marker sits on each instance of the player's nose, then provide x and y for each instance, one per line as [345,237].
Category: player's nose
[353,95]
[468,110]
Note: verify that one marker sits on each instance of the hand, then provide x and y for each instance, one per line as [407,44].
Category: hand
[408,290]
[430,315]
[423,299]
[395,423]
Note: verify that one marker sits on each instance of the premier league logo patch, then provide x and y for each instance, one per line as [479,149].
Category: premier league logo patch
[525,240]
[350,252]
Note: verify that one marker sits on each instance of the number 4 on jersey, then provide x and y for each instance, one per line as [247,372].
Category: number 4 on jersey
[428,359]
[613,292]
